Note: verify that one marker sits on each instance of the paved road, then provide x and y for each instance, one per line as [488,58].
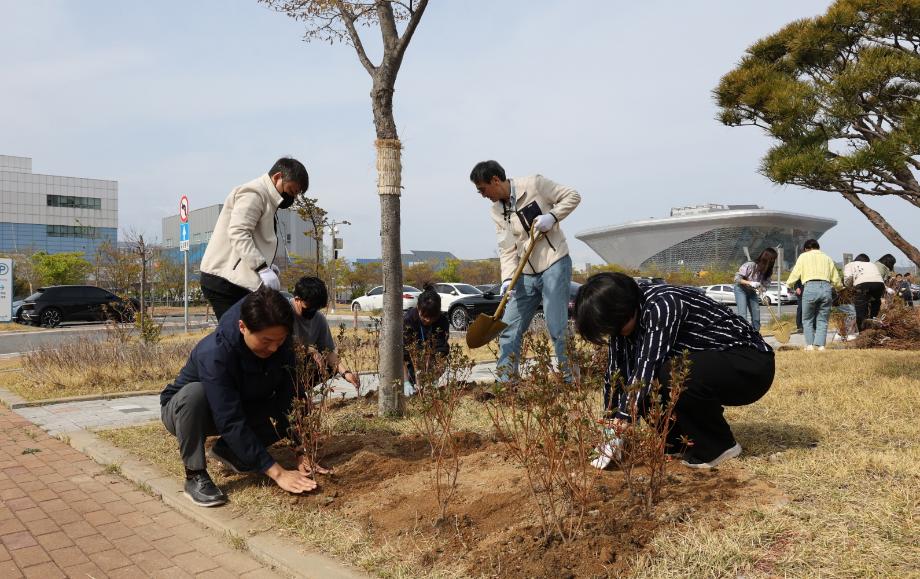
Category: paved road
[14,342]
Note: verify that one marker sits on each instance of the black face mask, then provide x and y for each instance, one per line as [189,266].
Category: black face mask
[308,313]
[286,201]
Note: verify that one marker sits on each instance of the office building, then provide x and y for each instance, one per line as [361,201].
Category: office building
[54,213]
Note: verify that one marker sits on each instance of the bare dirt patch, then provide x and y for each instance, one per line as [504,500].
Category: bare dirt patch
[384,480]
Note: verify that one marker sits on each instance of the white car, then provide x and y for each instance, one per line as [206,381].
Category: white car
[724,294]
[451,292]
[772,295]
[373,300]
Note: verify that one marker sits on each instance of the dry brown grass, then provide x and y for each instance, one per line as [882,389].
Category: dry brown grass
[837,435]
[14,327]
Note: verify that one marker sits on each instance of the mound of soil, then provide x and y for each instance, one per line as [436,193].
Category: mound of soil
[493,529]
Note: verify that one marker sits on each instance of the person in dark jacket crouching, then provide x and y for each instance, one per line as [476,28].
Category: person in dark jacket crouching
[644,328]
[238,380]
[426,331]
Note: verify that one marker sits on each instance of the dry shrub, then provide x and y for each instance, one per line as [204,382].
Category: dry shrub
[308,418]
[645,442]
[439,384]
[359,350]
[550,427]
[104,365]
[896,329]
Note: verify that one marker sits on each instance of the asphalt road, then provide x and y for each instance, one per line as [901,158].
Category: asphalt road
[13,342]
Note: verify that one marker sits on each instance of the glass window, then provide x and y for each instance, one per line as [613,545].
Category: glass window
[71,231]
[409,288]
[466,289]
[376,291]
[74,201]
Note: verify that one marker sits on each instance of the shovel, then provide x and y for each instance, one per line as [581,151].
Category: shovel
[781,330]
[485,328]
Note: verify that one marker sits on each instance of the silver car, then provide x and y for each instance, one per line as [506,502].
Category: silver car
[724,294]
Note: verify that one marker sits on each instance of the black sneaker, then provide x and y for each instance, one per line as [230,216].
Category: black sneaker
[222,454]
[693,462]
[203,492]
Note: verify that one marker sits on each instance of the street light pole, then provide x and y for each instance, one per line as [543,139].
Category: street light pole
[334,229]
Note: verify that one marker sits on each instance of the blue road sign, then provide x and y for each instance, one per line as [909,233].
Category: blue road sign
[183,232]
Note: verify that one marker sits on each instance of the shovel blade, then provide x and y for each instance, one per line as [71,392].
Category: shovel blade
[483,330]
[782,331]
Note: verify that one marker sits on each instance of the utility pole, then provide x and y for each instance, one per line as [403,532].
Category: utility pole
[336,245]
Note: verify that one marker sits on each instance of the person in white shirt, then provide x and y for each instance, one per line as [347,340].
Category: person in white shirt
[866,279]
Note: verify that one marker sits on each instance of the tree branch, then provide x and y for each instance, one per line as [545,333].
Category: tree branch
[387,26]
[410,29]
[349,20]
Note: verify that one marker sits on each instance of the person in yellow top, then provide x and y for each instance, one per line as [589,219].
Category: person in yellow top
[818,273]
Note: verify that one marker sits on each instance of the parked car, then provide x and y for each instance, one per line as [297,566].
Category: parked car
[724,294]
[50,306]
[772,295]
[450,292]
[650,280]
[465,309]
[373,300]
[16,314]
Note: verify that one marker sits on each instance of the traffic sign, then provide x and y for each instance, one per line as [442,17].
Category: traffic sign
[6,290]
[183,237]
[183,209]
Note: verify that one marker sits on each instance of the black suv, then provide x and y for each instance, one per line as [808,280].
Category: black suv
[49,306]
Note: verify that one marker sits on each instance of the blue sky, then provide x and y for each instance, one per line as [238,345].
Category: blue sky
[611,97]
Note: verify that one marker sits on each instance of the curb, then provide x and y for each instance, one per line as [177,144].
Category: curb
[14,401]
[270,549]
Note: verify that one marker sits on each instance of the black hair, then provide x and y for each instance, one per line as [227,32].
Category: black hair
[266,308]
[812,244]
[429,302]
[292,170]
[898,275]
[765,261]
[604,304]
[887,260]
[861,257]
[485,170]
[313,291]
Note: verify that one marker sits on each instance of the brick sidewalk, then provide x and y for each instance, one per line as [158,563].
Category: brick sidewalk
[61,515]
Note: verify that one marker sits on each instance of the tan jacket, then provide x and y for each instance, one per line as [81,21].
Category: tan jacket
[244,237]
[513,238]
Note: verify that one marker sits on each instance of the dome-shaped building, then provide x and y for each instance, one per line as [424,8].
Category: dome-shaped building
[704,237]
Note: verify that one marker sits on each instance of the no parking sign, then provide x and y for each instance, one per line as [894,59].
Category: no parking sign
[6,290]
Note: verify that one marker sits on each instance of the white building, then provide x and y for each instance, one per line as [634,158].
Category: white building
[704,237]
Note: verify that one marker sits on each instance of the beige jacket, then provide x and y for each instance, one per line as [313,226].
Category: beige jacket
[553,198]
[244,237]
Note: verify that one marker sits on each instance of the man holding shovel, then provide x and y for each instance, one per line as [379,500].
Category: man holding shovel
[527,210]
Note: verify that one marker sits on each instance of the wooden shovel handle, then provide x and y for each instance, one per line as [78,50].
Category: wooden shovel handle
[517,273]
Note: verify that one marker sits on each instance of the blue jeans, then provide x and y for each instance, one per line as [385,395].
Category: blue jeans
[552,289]
[748,302]
[816,308]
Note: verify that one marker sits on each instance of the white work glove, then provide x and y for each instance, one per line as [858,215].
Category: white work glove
[544,222]
[754,284]
[610,451]
[504,287]
[270,278]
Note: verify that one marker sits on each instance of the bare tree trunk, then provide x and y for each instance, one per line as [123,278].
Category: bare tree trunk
[389,184]
[884,227]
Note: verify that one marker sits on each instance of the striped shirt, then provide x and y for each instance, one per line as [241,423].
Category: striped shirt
[671,320]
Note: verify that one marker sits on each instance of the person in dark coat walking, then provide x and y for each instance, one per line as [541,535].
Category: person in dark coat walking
[425,330]
[238,383]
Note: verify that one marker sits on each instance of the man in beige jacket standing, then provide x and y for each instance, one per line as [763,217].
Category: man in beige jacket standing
[240,255]
[518,205]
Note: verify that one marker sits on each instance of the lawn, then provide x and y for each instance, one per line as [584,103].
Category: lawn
[828,485]
[113,364]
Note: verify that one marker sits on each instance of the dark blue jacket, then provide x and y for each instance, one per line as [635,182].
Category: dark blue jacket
[234,378]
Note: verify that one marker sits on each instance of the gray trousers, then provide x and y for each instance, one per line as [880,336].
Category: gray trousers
[187,416]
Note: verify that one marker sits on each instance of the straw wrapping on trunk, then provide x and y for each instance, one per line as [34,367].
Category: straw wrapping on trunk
[389,166]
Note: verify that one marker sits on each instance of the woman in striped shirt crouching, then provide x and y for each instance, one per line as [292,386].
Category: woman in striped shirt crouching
[644,327]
